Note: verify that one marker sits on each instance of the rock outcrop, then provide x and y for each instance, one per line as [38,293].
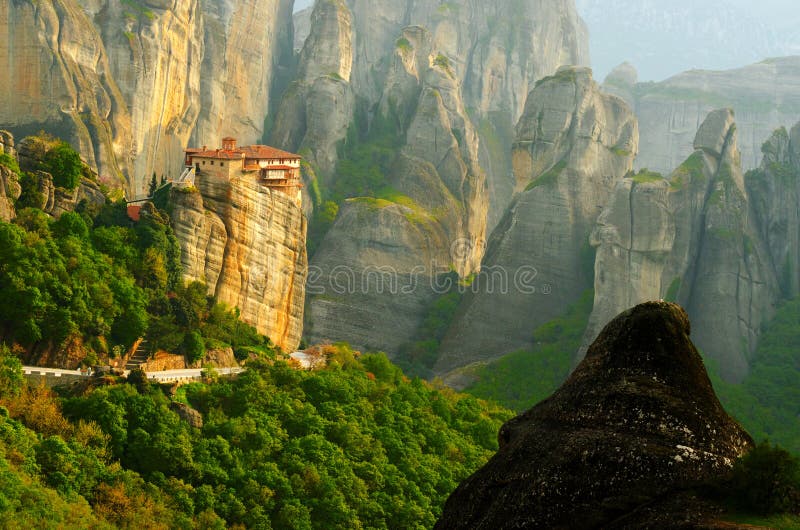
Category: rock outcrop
[10,189]
[391,248]
[774,189]
[154,51]
[693,238]
[496,52]
[247,243]
[764,97]
[635,425]
[247,44]
[317,108]
[573,143]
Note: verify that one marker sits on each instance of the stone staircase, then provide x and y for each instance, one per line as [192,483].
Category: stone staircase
[139,357]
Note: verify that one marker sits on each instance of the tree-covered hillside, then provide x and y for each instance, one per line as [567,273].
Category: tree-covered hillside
[354,446]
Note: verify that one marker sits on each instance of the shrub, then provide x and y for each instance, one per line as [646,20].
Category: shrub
[766,480]
[194,346]
[65,165]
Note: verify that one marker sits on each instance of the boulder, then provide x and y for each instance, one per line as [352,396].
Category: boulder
[635,425]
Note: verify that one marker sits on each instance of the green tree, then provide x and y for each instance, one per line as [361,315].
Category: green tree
[767,480]
[153,185]
[11,378]
[64,163]
[194,347]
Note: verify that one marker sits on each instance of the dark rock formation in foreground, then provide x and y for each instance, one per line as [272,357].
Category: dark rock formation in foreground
[633,427]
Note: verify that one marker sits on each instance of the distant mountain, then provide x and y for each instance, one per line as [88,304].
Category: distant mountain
[664,38]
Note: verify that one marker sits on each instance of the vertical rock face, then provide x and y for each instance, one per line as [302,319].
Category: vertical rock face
[154,52]
[775,191]
[694,238]
[57,77]
[635,426]
[245,43]
[390,249]
[572,143]
[247,243]
[449,80]
[764,97]
[318,107]
[10,189]
[128,83]
[496,52]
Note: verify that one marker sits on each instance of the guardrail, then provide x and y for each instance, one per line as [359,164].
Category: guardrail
[56,376]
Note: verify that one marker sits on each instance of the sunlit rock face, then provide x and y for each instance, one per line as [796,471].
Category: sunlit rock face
[572,144]
[128,83]
[57,77]
[247,243]
[635,426]
[693,237]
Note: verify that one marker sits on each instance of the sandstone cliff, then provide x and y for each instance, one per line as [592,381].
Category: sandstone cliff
[317,108]
[57,77]
[129,83]
[448,81]
[693,238]
[247,243]
[154,51]
[573,143]
[496,52]
[10,189]
[764,97]
[246,44]
[427,222]
[618,445]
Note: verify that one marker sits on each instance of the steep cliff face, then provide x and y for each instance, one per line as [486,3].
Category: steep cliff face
[128,83]
[620,443]
[246,43]
[154,51]
[693,238]
[318,107]
[391,248]
[572,143]
[448,81]
[496,52]
[764,97]
[57,77]
[10,189]
[775,191]
[247,243]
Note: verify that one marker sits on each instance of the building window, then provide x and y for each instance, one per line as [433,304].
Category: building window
[212,162]
[222,164]
[204,162]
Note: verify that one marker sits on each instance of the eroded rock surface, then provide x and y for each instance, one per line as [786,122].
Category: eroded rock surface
[247,243]
[694,238]
[636,424]
[573,143]
[389,250]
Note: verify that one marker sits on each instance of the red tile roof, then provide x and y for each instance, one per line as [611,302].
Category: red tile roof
[134,212]
[258,152]
[265,151]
